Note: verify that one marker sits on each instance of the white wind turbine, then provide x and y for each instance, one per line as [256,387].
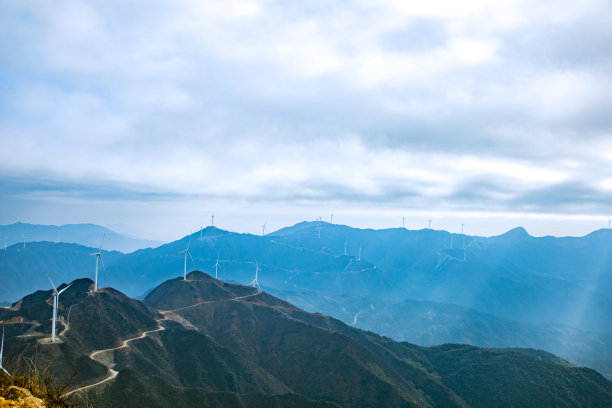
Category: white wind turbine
[1,352]
[55,302]
[263,229]
[217,266]
[186,252]
[255,283]
[98,256]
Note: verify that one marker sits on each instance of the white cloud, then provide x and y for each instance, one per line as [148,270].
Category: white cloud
[407,102]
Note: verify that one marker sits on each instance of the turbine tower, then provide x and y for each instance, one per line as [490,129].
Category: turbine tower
[429,224]
[331,219]
[403,222]
[217,266]
[98,256]
[263,229]
[345,245]
[186,252]
[212,220]
[23,236]
[1,351]
[359,258]
[55,303]
[255,283]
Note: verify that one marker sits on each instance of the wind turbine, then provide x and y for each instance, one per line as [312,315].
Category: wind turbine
[263,229]
[55,302]
[403,222]
[345,245]
[359,258]
[186,252]
[255,283]
[429,224]
[23,240]
[98,256]
[331,219]
[212,220]
[1,351]
[217,266]
[201,228]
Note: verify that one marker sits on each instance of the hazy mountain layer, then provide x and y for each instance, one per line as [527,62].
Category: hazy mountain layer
[89,235]
[429,323]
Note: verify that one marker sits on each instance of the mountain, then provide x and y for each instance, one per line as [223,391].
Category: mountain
[565,281]
[207,342]
[504,294]
[22,270]
[89,235]
[281,265]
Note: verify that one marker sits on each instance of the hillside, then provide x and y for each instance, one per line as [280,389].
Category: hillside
[428,323]
[229,345]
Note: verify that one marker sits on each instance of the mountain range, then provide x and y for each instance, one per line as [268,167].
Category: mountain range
[427,287]
[206,342]
[89,235]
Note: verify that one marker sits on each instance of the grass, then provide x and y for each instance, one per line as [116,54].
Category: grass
[41,385]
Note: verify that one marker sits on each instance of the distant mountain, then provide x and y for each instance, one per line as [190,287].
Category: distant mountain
[565,281]
[89,235]
[23,270]
[280,265]
[203,342]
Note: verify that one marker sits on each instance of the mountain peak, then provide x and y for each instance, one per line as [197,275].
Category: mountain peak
[199,287]
[515,234]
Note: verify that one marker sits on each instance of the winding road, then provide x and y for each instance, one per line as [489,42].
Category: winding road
[113,373]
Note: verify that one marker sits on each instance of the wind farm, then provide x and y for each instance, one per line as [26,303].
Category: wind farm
[434,181]
[360,279]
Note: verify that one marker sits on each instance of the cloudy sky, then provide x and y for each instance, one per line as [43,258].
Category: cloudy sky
[149,116]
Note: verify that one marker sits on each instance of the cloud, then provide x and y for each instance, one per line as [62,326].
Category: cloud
[444,104]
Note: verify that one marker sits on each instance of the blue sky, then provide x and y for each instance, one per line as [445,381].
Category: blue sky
[149,117]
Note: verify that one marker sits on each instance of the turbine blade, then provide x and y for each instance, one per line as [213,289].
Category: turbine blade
[191,257]
[60,292]
[50,281]
[103,236]
[102,262]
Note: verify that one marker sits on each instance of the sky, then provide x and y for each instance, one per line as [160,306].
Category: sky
[149,117]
